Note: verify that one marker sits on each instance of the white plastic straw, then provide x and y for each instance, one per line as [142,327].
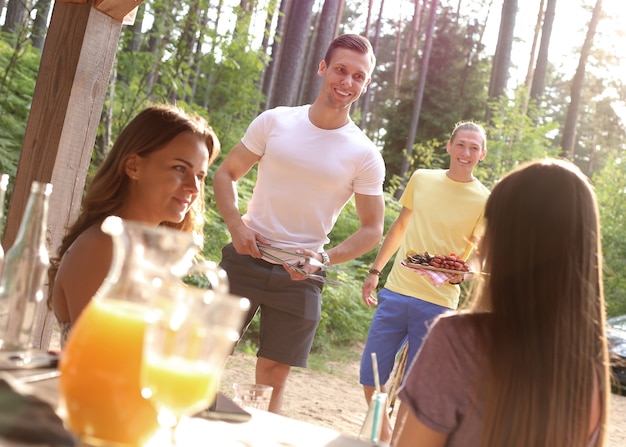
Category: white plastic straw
[375,368]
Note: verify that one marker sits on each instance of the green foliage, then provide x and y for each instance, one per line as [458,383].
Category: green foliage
[221,82]
[232,95]
[18,72]
[344,316]
[455,90]
[513,138]
[611,190]
[430,154]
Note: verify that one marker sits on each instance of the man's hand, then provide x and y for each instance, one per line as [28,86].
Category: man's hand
[297,273]
[245,240]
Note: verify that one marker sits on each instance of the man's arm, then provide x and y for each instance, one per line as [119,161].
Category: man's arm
[393,239]
[390,245]
[371,213]
[238,163]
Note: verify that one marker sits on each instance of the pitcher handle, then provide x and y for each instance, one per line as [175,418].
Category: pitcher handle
[216,275]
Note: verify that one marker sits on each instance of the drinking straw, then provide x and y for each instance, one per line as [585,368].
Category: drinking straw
[374,436]
[375,368]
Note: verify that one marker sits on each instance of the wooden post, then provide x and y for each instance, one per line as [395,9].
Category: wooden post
[72,82]
[116,8]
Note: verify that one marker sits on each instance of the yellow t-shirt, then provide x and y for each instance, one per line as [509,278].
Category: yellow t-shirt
[445,217]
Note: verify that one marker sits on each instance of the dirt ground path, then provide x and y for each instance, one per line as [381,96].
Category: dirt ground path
[335,399]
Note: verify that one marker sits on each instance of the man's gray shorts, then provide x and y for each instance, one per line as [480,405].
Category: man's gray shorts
[290,310]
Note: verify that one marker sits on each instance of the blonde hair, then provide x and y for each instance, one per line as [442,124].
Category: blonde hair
[471,127]
[545,343]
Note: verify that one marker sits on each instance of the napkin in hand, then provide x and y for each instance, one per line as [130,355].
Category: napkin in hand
[437,278]
[27,419]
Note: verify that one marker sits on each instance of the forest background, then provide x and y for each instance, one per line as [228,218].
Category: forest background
[229,60]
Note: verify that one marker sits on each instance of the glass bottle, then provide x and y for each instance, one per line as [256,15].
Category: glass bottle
[22,277]
[371,429]
[100,367]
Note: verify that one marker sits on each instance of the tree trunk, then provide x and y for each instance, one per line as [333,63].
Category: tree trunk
[569,130]
[397,60]
[410,51]
[40,25]
[419,94]
[105,139]
[242,26]
[368,19]
[157,41]
[16,15]
[502,57]
[134,43]
[326,32]
[530,72]
[474,53]
[198,55]
[209,80]
[267,31]
[188,43]
[269,77]
[539,77]
[365,97]
[293,53]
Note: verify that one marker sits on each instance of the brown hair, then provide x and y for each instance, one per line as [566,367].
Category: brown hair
[149,131]
[546,342]
[352,42]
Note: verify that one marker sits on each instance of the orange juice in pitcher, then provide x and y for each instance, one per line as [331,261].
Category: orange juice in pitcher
[100,366]
[100,371]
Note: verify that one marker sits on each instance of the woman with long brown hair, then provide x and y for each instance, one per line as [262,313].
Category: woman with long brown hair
[526,365]
[154,174]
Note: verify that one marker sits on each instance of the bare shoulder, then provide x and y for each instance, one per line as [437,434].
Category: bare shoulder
[93,238]
[90,254]
[83,268]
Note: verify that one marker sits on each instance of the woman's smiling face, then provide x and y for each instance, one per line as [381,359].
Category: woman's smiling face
[466,150]
[166,182]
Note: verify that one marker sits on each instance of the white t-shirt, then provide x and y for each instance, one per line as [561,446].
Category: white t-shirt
[306,175]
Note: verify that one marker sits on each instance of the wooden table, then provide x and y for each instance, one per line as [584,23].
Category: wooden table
[263,429]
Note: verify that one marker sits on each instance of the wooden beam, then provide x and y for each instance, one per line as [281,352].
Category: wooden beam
[72,82]
[117,8]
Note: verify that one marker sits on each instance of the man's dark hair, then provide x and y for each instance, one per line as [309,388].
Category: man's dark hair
[352,42]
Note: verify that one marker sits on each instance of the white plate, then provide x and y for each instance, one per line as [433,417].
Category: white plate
[27,359]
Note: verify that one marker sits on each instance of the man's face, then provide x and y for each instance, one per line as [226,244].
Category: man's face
[346,77]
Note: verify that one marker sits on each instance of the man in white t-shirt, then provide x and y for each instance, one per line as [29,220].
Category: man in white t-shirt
[311,160]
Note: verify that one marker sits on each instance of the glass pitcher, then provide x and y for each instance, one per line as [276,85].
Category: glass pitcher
[100,389]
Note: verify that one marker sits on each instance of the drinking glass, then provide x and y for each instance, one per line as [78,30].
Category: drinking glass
[187,342]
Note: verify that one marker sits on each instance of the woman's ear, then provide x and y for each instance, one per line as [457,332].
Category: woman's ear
[132,166]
